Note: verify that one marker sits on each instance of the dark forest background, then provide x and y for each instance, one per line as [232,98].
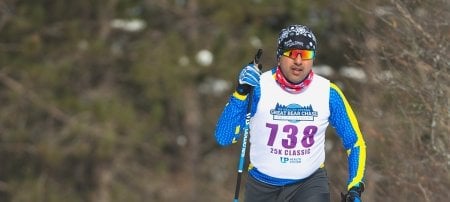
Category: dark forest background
[111,101]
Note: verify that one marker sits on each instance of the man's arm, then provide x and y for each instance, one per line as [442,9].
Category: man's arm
[231,120]
[344,121]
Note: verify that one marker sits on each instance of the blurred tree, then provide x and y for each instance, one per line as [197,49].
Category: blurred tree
[407,98]
[105,101]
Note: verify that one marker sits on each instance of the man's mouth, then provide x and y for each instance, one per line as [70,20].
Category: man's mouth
[296,70]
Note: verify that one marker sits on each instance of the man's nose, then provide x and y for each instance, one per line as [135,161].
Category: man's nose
[298,60]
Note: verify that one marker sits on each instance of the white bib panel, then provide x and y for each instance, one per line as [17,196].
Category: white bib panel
[288,130]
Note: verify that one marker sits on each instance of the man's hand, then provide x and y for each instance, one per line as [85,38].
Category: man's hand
[354,194]
[249,77]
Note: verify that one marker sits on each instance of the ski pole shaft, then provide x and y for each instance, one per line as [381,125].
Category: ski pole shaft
[245,133]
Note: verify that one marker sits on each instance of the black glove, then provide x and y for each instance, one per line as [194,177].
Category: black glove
[354,194]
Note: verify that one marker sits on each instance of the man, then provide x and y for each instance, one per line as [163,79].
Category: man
[291,109]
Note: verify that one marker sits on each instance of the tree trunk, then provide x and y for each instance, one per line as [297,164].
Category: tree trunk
[192,124]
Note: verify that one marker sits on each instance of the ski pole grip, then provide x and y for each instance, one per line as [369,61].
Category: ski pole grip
[258,57]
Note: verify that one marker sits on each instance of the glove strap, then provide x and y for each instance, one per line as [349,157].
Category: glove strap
[243,89]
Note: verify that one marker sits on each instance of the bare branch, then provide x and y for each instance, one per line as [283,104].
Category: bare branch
[33,97]
[415,24]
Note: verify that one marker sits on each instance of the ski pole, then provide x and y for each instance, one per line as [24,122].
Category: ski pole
[246,132]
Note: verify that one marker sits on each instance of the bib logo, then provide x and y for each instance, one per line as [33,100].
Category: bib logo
[290,160]
[293,113]
[284,159]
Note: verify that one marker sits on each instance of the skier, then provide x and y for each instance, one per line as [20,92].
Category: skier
[291,109]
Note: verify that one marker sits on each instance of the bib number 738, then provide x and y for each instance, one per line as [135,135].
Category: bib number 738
[290,133]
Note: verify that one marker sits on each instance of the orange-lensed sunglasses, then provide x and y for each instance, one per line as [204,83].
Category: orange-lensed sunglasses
[305,54]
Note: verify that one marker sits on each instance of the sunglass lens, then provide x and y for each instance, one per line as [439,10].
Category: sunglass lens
[305,54]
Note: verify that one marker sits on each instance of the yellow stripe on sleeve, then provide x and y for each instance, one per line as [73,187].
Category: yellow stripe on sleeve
[239,96]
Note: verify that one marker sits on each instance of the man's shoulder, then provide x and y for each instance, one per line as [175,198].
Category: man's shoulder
[270,71]
[320,77]
[321,80]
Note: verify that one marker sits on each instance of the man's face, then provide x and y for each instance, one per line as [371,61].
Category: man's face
[293,67]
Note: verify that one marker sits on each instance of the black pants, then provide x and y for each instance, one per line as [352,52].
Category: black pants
[313,189]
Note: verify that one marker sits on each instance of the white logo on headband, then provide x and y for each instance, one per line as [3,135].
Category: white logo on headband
[296,31]
[291,43]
